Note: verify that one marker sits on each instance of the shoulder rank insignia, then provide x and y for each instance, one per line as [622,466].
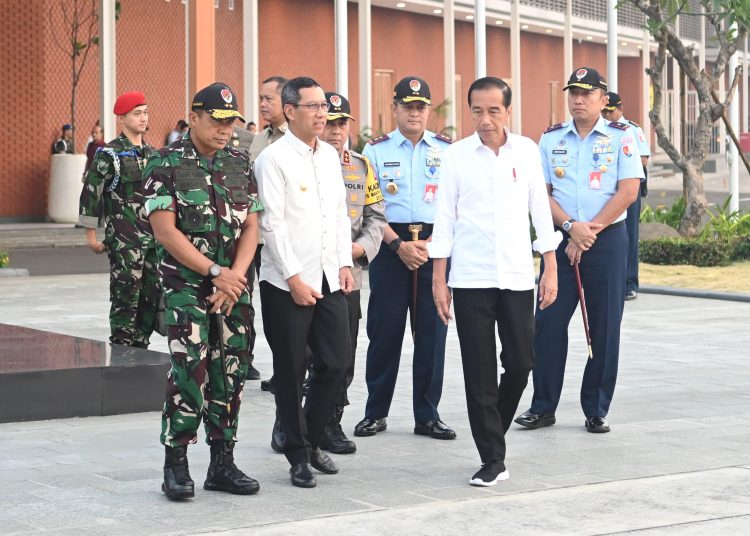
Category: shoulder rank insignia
[619,126]
[634,123]
[374,141]
[554,127]
[443,137]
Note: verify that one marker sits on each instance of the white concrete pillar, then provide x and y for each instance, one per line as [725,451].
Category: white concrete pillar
[365,64]
[612,45]
[734,157]
[107,68]
[342,49]
[480,39]
[250,65]
[568,48]
[515,64]
[449,65]
[676,108]
[745,91]
[646,87]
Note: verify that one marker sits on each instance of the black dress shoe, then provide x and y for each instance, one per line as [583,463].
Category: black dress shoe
[177,483]
[323,462]
[534,420]
[333,439]
[631,295]
[223,474]
[597,425]
[267,385]
[369,427]
[436,429]
[278,437]
[252,373]
[302,476]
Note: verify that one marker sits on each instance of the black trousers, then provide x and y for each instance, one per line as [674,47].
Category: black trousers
[491,406]
[355,315]
[289,329]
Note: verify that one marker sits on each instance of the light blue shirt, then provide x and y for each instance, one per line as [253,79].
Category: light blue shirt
[409,176]
[640,137]
[584,172]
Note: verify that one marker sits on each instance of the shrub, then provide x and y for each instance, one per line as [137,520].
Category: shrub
[695,251]
[725,225]
[4,259]
[741,250]
[661,214]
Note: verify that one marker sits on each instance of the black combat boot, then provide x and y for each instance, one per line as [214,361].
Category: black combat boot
[177,483]
[223,475]
[334,439]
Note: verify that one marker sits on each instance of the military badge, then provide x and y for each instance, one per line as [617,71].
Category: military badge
[603,168]
[414,85]
[559,172]
[335,101]
[580,73]
[226,95]
[391,188]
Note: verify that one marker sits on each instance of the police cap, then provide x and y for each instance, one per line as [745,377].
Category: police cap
[586,78]
[412,89]
[218,100]
[338,107]
[614,101]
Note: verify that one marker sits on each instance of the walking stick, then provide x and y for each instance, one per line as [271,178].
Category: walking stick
[414,230]
[220,326]
[584,314]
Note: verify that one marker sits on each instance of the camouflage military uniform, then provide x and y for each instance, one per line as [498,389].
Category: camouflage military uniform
[211,201]
[113,190]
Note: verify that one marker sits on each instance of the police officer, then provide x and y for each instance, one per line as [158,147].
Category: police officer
[613,112]
[202,205]
[592,169]
[113,190]
[365,206]
[407,164]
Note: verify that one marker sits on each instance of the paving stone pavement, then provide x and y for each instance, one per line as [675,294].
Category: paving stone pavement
[676,462]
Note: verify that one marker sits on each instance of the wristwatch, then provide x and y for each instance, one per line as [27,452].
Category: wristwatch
[568,224]
[214,270]
[395,244]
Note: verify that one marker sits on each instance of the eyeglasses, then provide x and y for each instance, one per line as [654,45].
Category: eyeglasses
[314,106]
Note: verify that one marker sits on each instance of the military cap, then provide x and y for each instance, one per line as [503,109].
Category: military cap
[339,107]
[412,89]
[128,101]
[586,78]
[614,101]
[67,126]
[218,100]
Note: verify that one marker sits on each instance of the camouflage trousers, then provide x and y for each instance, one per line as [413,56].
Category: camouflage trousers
[195,383]
[134,295]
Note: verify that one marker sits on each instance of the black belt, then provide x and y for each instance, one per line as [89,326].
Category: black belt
[402,230]
[607,228]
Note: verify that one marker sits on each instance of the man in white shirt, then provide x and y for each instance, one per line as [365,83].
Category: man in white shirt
[490,182]
[305,272]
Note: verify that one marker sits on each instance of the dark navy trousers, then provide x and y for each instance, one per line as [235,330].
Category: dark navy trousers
[390,295]
[603,277]
[634,214]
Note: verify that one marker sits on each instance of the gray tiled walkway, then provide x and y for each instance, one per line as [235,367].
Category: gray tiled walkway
[676,462]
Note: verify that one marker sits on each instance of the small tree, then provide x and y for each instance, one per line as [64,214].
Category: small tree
[75,38]
[730,20]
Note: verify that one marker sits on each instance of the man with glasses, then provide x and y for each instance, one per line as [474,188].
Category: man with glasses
[407,163]
[305,274]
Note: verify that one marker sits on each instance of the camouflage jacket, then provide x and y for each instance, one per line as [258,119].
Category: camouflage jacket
[211,201]
[365,206]
[113,190]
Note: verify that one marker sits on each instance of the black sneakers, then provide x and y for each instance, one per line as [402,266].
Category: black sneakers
[490,474]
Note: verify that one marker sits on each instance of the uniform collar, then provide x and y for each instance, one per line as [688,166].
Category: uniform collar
[600,126]
[190,151]
[428,137]
[345,156]
[281,129]
[300,146]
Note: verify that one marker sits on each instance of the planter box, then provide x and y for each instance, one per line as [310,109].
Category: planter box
[65,183]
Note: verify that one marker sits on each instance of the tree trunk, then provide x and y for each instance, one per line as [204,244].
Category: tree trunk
[695,200]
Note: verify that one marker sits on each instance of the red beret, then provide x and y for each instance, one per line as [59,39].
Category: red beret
[128,101]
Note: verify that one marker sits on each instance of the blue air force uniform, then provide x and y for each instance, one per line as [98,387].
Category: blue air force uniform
[409,178]
[584,175]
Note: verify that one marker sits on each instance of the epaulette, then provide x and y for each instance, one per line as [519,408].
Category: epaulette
[619,126]
[374,141]
[443,137]
[554,127]
[634,123]
[355,154]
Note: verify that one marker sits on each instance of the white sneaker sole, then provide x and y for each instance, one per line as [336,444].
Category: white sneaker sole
[505,475]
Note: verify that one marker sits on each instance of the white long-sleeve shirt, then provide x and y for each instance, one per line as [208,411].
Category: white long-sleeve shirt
[482,214]
[305,223]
